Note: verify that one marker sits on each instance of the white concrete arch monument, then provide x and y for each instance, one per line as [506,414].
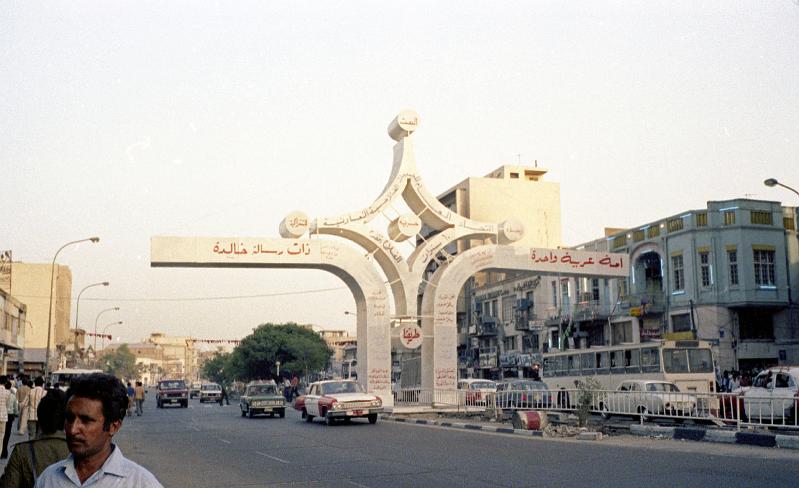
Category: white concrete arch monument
[404,276]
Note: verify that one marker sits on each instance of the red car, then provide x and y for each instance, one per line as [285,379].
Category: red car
[338,400]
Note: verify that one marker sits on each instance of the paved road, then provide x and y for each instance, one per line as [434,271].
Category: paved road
[212,446]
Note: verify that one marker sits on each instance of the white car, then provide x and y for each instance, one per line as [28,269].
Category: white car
[773,396]
[648,398]
[477,390]
[210,392]
[338,400]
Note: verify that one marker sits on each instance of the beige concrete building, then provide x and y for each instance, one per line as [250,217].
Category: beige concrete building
[30,284]
[13,317]
[179,355]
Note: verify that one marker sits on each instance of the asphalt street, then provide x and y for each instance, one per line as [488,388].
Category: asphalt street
[212,446]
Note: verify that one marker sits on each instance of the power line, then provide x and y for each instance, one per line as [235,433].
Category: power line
[196,299]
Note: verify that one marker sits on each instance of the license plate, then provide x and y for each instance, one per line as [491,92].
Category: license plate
[355,412]
[267,409]
[171,400]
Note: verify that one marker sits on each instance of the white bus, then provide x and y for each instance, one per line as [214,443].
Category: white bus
[688,364]
[64,376]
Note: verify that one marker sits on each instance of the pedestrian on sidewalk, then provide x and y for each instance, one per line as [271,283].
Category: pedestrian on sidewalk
[34,397]
[131,393]
[23,394]
[138,396]
[4,399]
[29,458]
[13,410]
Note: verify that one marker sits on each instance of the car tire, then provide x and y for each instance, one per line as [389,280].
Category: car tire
[604,412]
[308,418]
[329,420]
[250,414]
[281,413]
[243,413]
[158,404]
[372,417]
[185,404]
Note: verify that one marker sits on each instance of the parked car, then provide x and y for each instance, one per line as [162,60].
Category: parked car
[338,400]
[648,398]
[210,392]
[194,391]
[523,393]
[773,396]
[171,392]
[262,397]
[477,390]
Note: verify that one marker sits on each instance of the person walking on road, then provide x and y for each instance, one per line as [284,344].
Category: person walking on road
[23,393]
[223,398]
[131,392]
[30,458]
[34,397]
[13,411]
[295,383]
[138,396]
[96,406]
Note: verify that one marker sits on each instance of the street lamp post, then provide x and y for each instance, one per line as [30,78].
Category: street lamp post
[106,328]
[77,309]
[772,182]
[95,324]
[50,310]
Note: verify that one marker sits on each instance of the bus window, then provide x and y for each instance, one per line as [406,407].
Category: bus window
[601,362]
[573,364]
[587,364]
[675,360]
[699,361]
[650,360]
[632,363]
[616,364]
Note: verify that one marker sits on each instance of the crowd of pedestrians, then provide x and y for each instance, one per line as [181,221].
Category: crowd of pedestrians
[729,381]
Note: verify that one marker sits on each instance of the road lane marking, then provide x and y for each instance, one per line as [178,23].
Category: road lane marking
[272,457]
[356,484]
[195,428]
[226,442]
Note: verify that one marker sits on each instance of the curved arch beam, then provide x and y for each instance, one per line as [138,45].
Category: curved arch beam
[439,304]
[354,269]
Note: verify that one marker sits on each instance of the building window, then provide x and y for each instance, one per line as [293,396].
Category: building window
[732,261]
[704,266]
[554,293]
[760,218]
[595,289]
[514,176]
[674,225]
[729,217]
[787,222]
[653,231]
[678,273]
[764,267]
[701,219]
[507,308]
[619,241]
[510,343]
[638,235]
[681,322]
[755,324]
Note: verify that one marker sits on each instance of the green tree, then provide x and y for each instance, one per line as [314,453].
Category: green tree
[300,350]
[216,369]
[120,363]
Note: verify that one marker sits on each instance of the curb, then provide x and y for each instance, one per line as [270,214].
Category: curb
[720,436]
[460,425]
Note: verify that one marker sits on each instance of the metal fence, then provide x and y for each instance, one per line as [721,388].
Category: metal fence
[718,408]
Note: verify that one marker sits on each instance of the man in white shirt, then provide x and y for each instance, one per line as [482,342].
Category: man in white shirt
[96,406]
[34,397]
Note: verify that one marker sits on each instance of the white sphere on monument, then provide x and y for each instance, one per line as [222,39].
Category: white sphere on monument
[294,225]
[510,231]
[403,124]
[404,227]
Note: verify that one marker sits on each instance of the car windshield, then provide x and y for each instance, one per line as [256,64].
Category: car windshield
[525,385]
[667,387]
[172,385]
[261,390]
[211,386]
[483,385]
[341,387]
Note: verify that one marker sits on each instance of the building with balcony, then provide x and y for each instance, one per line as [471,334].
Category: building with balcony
[13,319]
[727,273]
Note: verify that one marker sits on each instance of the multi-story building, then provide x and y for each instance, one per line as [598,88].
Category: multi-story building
[508,192]
[728,273]
[30,284]
[338,340]
[178,360]
[13,319]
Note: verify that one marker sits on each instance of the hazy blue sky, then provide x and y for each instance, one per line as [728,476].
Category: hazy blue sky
[133,119]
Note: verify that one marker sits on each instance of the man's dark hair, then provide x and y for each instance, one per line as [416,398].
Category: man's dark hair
[51,412]
[106,388]
[39,381]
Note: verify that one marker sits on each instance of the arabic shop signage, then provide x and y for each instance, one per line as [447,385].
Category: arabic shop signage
[411,336]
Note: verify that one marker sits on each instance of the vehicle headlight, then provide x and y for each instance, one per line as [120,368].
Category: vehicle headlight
[337,406]
[376,403]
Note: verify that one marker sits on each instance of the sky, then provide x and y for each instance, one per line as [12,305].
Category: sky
[128,120]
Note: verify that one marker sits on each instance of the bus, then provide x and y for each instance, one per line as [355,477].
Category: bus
[687,363]
[64,376]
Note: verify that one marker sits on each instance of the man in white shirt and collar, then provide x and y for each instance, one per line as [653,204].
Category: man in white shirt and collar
[96,405]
